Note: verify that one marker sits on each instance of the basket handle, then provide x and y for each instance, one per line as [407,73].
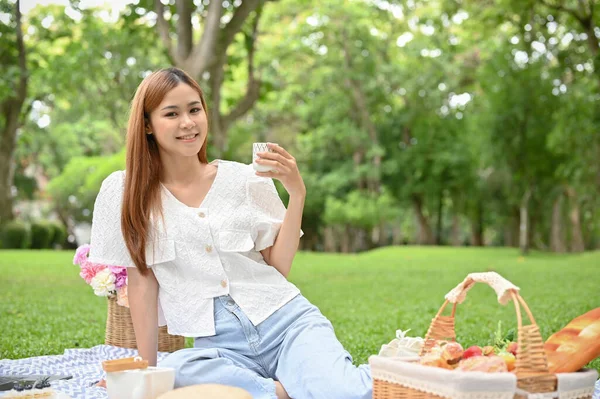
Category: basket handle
[531,365]
[502,286]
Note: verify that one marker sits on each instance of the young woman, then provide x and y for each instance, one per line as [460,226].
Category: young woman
[209,246]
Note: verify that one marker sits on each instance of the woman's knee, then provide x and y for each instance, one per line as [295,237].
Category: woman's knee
[192,366]
[207,366]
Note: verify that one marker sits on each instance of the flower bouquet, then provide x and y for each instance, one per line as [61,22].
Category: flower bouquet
[111,282]
[108,281]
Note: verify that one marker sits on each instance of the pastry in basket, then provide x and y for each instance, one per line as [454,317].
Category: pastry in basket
[488,364]
[577,344]
[443,354]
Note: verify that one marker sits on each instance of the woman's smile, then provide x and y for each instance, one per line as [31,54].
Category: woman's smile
[189,138]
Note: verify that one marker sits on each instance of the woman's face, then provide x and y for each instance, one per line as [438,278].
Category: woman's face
[179,123]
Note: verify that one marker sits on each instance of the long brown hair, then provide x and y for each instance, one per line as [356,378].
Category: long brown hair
[141,198]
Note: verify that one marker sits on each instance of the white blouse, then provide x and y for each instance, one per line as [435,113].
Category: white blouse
[201,253]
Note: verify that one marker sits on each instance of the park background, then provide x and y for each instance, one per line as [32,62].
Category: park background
[435,138]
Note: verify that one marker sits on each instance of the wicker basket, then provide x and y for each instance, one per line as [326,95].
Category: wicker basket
[396,379]
[119,330]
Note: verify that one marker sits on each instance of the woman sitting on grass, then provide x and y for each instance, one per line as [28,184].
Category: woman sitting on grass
[209,246]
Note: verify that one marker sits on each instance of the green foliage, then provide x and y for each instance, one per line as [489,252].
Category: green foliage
[59,234]
[75,189]
[360,209]
[16,235]
[42,235]
[84,72]
[466,106]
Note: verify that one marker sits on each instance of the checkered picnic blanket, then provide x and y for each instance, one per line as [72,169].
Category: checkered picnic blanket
[85,365]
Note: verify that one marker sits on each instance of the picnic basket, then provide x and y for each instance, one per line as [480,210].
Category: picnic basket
[119,330]
[397,379]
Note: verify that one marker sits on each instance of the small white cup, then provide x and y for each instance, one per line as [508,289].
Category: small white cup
[260,147]
[147,383]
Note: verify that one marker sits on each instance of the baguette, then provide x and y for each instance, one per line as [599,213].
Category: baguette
[577,344]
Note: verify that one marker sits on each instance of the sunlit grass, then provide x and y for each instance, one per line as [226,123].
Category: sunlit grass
[46,307]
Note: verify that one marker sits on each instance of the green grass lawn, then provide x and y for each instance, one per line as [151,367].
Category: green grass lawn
[46,307]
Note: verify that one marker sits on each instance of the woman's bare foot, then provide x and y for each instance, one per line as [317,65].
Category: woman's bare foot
[280,391]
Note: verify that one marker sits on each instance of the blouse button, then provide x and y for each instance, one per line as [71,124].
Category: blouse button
[223,283]
[208,248]
[201,214]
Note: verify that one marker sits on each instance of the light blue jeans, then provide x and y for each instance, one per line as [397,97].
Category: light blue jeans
[296,346]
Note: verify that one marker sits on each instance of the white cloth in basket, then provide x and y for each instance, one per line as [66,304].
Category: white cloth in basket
[402,346]
[450,384]
[501,285]
[570,386]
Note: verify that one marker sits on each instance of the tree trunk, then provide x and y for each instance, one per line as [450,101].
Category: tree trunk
[329,239]
[557,240]
[455,238]
[363,115]
[359,242]
[379,235]
[396,234]
[511,229]
[577,243]
[218,134]
[11,111]
[357,159]
[425,234]
[440,215]
[477,226]
[345,239]
[524,223]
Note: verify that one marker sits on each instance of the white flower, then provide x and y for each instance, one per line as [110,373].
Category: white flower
[103,282]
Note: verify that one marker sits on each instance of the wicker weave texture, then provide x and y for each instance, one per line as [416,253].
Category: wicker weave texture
[119,331]
[388,390]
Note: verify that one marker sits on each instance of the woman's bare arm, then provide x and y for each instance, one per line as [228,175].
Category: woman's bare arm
[142,292]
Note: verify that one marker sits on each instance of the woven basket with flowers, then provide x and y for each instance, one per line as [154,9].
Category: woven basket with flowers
[111,282]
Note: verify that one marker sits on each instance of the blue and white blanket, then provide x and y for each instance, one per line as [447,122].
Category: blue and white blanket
[85,365]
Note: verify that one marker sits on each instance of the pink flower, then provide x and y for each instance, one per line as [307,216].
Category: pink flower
[116,269]
[121,280]
[89,271]
[81,254]
[120,275]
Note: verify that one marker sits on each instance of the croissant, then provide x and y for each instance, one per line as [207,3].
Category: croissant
[577,344]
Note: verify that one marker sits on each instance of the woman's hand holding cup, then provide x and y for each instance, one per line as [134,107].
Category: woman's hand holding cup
[273,161]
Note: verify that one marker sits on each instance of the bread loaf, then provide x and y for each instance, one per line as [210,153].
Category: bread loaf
[576,345]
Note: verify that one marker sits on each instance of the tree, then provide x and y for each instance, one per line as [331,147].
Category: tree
[13,93]
[205,55]
[84,73]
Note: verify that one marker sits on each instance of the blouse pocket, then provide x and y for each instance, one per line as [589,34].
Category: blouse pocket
[161,251]
[235,241]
